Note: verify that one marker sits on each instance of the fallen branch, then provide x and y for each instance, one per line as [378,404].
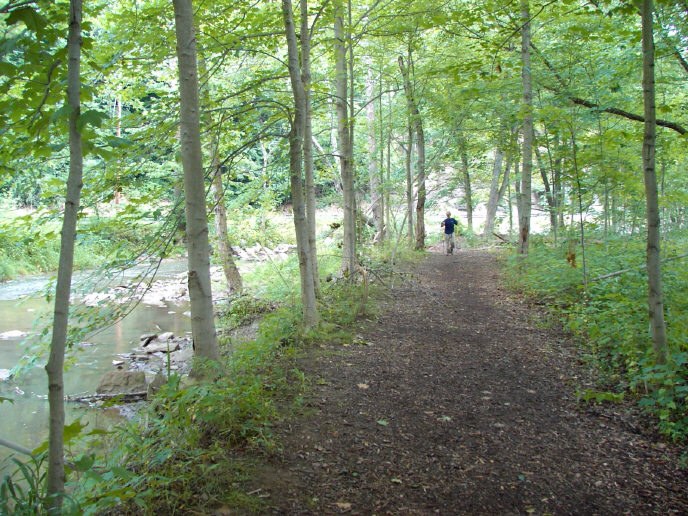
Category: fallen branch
[124,398]
[15,447]
[638,268]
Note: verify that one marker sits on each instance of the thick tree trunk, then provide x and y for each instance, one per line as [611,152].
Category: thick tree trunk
[376,201]
[55,365]
[308,299]
[654,272]
[349,262]
[200,291]
[527,160]
[308,163]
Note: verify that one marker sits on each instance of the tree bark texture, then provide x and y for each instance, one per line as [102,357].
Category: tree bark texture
[198,247]
[58,344]
[654,271]
[527,159]
[308,299]
[345,151]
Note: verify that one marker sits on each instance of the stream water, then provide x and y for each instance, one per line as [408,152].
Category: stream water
[25,420]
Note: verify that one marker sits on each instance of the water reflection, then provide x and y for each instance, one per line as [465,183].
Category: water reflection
[25,421]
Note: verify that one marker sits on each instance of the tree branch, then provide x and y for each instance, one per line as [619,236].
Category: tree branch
[611,110]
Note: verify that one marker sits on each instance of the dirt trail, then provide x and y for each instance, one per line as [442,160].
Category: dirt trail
[462,402]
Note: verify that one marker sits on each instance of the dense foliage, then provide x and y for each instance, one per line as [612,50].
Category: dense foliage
[611,326]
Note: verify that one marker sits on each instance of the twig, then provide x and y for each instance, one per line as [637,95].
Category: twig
[638,268]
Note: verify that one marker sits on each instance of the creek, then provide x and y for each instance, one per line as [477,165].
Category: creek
[25,420]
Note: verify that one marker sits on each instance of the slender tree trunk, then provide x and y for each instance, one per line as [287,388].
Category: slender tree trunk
[308,298]
[117,197]
[581,225]
[200,291]
[308,163]
[654,272]
[468,192]
[224,247]
[229,267]
[376,201]
[416,123]
[527,160]
[58,344]
[349,262]
[493,199]
[409,184]
[548,190]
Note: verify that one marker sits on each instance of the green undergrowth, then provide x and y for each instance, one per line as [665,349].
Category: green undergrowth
[196,444]
[610,319]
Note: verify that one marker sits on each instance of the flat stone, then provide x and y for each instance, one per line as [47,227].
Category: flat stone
[123,382]
[162,347]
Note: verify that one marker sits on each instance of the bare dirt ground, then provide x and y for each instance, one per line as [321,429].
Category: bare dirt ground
[462,401]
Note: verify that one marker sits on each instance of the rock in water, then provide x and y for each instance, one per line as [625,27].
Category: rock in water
[13,334]
[123,382]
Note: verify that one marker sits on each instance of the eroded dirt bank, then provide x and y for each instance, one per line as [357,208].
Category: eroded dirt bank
[462,402]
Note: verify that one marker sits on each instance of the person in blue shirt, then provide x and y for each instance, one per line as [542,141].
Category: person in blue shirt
[449,224]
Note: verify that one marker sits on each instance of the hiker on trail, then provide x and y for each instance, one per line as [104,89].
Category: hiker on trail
[448,224]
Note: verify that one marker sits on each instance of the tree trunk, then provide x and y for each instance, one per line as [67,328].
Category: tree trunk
[548,190]
[55,365]
[493,199]
[224,248]
[344,138]
[527,160]
[376,202]
[308,163]
[409,183]
[417,128]
[200,291]
[468,193]
[308,299]
[654,272]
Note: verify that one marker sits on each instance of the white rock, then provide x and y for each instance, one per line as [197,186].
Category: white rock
[13,334]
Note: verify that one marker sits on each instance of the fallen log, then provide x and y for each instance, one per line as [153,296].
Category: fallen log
[129,397]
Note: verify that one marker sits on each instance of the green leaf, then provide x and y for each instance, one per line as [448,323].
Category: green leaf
[33,21]
[73,430]
[91,117]
[382,422]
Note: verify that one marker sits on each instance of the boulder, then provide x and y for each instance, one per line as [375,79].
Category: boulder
[123,382]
